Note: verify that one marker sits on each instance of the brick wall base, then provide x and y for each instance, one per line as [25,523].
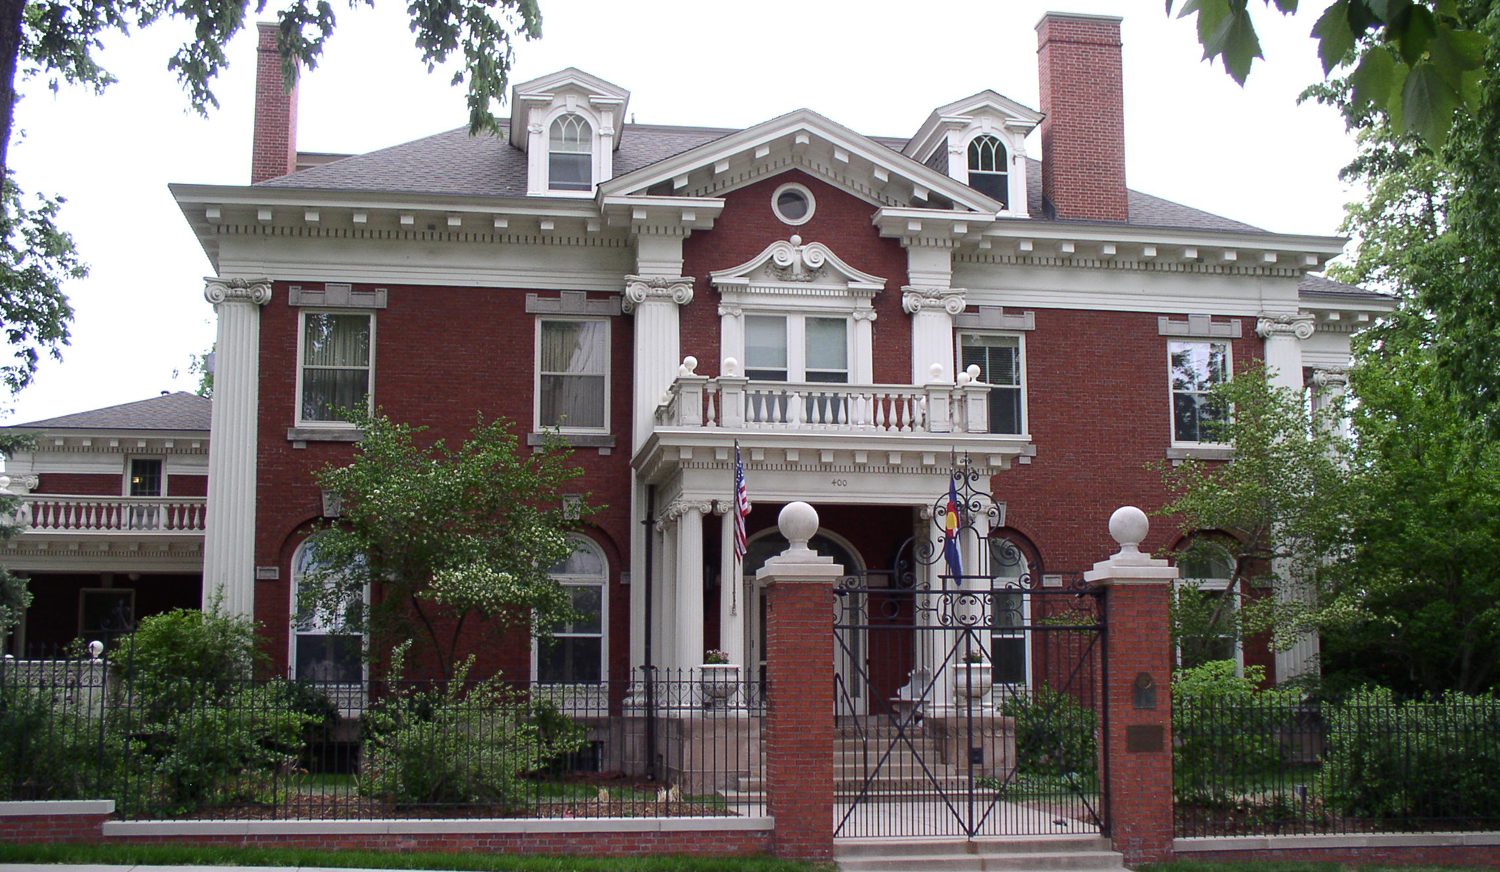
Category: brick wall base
[717,843]
[33,823]
[1438,849]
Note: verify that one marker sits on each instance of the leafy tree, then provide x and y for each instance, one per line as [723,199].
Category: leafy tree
[35,259]
[1281,503]
[1416,60]
[57,40]
[15,597]
[440,536]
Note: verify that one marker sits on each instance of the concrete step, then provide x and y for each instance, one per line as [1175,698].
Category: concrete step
[978,855]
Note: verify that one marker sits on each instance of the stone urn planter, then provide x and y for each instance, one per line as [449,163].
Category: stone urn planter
[718,681]
[972,680]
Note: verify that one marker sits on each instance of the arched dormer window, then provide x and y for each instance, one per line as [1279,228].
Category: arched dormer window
[989,168]
[570,154]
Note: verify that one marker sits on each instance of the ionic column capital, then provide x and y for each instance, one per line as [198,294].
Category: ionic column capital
[662,289]
[254,291]
[915,299]
[1331,379]
[1299,325]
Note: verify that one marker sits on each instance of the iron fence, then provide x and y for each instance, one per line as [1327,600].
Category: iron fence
[1366,764]
[670,744]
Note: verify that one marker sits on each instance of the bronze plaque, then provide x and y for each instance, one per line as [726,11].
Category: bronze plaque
[1148,737]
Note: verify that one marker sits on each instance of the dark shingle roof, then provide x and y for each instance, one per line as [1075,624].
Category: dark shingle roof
[1318,286]
[455,163]
[179,411]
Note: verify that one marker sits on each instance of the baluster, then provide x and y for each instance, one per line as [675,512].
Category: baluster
[920,403]
[879,400]
[710,414]
[794,410]
[843,411]
[757,410]
[905,402]
[820,408]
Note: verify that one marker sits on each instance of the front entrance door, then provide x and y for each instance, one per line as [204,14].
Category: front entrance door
[849,654]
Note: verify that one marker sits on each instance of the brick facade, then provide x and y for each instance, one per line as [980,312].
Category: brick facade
[274,148]
[1083,136]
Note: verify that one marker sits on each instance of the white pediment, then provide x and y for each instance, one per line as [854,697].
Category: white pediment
[791,268]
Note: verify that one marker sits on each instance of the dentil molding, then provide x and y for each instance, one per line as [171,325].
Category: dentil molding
[639,289]
[254,291]
[915,299]
[1300,325]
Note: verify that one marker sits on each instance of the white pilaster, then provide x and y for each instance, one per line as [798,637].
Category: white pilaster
[1284,334]
[932,310]
[690,584]
[654,300]
[731,590]
[229,529]
[864,346]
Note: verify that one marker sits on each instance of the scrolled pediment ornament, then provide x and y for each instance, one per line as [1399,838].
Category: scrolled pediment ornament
[217,290]
[1299,325]
[950,300]
[791,261]
[639,289]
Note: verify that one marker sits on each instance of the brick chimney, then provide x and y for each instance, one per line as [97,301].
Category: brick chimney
[1083,135]
[273,151]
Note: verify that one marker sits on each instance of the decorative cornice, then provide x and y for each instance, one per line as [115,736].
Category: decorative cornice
[915,299]
[1300,325]
[255,291]
[661,289]
[792,267]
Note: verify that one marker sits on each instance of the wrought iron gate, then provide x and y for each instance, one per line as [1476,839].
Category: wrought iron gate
[968,705]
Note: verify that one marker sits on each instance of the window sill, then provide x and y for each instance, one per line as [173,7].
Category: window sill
[300,436]
[604,442]
[1178,453]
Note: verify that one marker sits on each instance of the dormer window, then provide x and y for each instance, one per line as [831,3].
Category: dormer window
[570,154]
[989,165]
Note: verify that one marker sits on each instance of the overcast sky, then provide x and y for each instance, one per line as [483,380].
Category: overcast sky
[1192,135]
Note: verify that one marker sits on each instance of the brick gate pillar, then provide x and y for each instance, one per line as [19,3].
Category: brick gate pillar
[1138,736]
[799,690]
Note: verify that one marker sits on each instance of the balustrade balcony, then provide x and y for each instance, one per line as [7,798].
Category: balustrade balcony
[55,513]
[737,403]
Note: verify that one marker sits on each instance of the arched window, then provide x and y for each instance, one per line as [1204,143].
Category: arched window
[1205,622]
[327,645]
[989,168]
[576,654]
[570,154]
[1010,575]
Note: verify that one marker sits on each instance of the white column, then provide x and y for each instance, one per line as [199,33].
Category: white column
[658,346]
[1283,334]
[639,537]
[690,585]
[1329,386]
[229,534]
[731,591]
[932,311]
[664,633]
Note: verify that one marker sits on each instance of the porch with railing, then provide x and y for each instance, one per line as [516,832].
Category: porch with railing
[734,402]
[60,513]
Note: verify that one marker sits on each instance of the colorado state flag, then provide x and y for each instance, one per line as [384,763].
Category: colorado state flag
[950,534]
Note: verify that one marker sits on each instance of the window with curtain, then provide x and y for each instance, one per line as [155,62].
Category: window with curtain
[576,653]
[335,364]
[573,374]
[1195,368]
[989,168]
[326,643]
[999,362]
[570,154]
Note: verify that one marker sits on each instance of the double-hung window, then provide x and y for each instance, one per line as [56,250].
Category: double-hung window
[1000,366]
[1009,574]
[576,653]
[797,348]
[327,645]
[337,371]
[989,166]
[1206,615]
[1195,368]
[573,374]
[570,154]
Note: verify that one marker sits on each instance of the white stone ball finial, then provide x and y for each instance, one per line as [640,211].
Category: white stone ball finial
[798,522]
[973,372]
[936,372]
[1129,526]
[95,649]
[731,367]
[689,366]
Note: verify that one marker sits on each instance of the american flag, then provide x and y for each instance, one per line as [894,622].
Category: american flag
[741,505]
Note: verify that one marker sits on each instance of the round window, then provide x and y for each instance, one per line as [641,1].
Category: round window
[793,204]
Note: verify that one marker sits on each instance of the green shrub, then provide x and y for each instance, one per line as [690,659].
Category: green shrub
[1436,759]
[459,742]
[1225,731]
[50,749]
[1055,735]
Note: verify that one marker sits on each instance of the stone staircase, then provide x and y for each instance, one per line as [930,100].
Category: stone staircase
[977,855]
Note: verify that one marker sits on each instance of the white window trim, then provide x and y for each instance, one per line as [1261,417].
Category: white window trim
[1214,585]
[602,583]
[796,343]
[812,204]
[958,159]
[301,350]
[292,633]
[536,376]
[1172,394]
[543,165]
[129,462]
[1024,634]
[958,355]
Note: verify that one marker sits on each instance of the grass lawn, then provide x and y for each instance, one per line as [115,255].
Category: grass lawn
[1269,866]
[180,855]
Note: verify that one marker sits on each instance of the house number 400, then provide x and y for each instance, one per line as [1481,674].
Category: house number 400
[841,482]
